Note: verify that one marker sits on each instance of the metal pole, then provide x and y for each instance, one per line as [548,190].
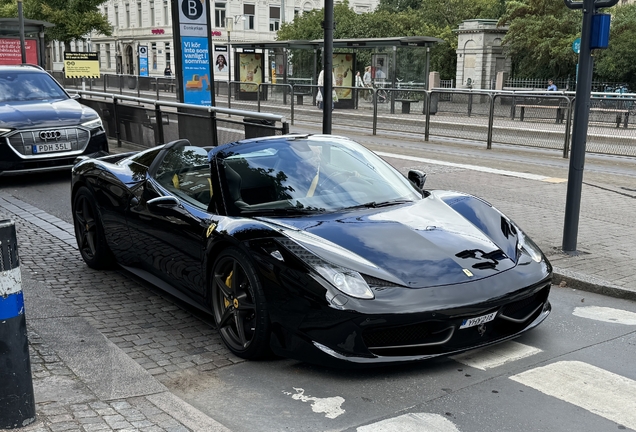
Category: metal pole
[327,62]
[427,68]
[22,41]
[17,400]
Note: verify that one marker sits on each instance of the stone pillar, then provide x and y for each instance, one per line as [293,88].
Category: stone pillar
[502,77]
[433,80]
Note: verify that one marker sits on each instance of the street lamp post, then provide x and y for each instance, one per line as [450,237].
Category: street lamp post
[229,28]
[22,41]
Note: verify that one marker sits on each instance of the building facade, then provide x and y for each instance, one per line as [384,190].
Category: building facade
[149,23]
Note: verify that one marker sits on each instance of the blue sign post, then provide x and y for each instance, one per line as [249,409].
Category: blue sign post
[143,60]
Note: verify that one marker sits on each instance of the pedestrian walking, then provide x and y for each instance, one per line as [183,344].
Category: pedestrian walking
[367,81]
[321,90]
[358,84]
[551,86]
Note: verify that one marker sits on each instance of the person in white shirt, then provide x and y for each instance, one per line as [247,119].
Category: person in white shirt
[321,84]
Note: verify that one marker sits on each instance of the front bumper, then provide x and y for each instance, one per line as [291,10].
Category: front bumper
[14,163]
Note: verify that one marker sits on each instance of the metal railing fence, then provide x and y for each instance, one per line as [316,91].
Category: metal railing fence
[147,122]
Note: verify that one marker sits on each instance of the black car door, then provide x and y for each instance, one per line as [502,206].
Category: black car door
[170,219]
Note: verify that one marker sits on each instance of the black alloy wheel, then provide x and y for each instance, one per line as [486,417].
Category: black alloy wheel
[89,232]
[238,303]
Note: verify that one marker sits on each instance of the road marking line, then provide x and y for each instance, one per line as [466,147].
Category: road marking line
[599,391]
[414,422]
[497,355]
[330,405]
[605,314]
[526,176]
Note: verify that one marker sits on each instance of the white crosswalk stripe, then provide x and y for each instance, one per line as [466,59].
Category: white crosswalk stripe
[496,355]
[599,391]
[414,422]
[605,314]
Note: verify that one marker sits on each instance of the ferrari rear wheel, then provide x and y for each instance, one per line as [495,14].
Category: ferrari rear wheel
[89,232]
[238,303]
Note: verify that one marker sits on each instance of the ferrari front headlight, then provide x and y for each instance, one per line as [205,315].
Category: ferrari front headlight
[4,131]
[348,281]
[524,244]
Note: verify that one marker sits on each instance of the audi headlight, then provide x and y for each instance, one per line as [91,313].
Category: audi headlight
[92,124]
[524,244]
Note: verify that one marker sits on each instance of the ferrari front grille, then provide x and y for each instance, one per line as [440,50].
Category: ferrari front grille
[525,309]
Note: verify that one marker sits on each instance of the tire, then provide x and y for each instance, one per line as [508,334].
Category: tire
[239,306]
[89,231]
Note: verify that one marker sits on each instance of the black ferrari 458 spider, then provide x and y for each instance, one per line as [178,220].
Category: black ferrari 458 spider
[313,247]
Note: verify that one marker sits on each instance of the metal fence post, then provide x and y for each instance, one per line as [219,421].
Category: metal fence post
[159,139]
[427,109]
[491,120]
[215,135]
[292,103]
[117,126]
[470,104]
[375,111]
[17,400]
[258,96]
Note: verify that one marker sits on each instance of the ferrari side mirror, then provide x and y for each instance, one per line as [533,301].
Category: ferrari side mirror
[418,178]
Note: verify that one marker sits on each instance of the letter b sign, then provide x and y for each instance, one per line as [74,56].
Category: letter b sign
[192,9]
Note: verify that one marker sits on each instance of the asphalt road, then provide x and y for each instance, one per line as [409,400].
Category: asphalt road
[574,372]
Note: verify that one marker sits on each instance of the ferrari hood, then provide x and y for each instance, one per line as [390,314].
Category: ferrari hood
[45,114]
[425,243]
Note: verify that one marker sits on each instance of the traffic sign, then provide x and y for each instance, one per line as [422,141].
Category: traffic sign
[576,45]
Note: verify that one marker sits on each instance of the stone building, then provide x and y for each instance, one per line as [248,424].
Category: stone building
[480,54]
[149,23]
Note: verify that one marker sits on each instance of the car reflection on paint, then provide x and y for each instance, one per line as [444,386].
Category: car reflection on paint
[314,248]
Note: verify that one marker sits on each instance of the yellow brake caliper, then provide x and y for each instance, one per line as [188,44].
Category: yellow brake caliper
[228,282]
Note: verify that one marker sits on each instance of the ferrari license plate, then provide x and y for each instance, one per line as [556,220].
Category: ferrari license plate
[53,147]
[478,320]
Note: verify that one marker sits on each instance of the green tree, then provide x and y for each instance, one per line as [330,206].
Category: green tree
[540,36]
[618,62]
[73,19]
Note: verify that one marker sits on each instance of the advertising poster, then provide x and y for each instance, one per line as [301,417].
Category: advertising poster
[250,71]
[380,69]
[343,71]
[11,53]
[196,70]
[143,61]
[221,68]
[81,65]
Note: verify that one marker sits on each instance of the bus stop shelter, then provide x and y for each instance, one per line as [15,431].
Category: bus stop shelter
[395,43]
[10,41]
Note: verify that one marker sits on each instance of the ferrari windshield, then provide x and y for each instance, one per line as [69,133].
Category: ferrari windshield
[308,174]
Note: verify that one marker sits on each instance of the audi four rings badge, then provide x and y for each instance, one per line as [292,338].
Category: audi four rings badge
[50,135]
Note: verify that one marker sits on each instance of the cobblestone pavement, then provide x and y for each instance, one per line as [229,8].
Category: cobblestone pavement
[161,336]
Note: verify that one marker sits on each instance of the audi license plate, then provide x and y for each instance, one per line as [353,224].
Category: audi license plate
[53,147]
[478,320]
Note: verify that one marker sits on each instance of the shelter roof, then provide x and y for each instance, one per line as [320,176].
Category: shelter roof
[406,41]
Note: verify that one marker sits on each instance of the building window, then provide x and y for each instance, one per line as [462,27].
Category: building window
[153,54]
[127,15]
[296,12]
[152,13]
[219,14]
[274,18]
[106,13]
[117,16]
[108,64]
[248,13]
[167,53]
[165,12]
[138,14]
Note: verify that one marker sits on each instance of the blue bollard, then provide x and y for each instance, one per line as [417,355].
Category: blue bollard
[17,401]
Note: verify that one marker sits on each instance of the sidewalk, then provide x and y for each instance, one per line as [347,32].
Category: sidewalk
[92,377]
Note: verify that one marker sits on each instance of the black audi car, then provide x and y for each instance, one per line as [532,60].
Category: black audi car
[313,247]
[43,128]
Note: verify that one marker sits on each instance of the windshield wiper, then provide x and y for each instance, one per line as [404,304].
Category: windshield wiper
[282,211]
[375,204]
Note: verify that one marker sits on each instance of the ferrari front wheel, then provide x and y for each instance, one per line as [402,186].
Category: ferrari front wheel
[239,306]
[89,232]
